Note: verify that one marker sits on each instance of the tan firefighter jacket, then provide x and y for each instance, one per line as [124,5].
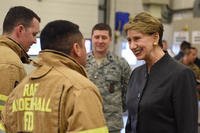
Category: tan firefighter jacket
[57,97]
[12,57]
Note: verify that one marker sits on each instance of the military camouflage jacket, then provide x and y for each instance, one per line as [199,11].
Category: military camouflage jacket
[111,77]
[196,70]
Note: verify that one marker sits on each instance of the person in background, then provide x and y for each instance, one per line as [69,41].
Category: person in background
[110,73]
[161,95]
[57,97]
[188,59]
[197,60]
[20,27]
[166,48]
[184,46]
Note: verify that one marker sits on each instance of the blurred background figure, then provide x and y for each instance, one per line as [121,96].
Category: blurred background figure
[197,60]
[188,59]
[184,46]
[166,48]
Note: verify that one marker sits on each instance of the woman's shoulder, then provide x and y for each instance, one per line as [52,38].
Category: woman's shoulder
[177,66]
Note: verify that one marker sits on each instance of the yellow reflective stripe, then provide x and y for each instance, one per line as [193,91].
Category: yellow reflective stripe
[96,130]
[2,127]
[1,107]
[3,97]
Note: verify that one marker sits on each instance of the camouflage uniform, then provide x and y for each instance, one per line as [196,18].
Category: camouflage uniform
[111,77]
[195,69]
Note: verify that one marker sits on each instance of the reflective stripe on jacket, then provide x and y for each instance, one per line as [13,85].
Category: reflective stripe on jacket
[56,97]
[2,129]
[11,67]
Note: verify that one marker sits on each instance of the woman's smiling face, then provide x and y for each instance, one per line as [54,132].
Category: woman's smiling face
[140,44]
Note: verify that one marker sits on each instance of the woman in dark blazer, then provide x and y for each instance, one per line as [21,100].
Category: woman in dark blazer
[161,96]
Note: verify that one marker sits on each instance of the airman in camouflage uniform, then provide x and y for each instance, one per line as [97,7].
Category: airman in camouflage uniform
[110,74]
[188,59]
[196,70]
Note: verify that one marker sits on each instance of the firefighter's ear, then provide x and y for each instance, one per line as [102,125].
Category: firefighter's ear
[18,30]
[76,50]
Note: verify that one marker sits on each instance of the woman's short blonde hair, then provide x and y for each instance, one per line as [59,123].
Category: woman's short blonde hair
[146,24]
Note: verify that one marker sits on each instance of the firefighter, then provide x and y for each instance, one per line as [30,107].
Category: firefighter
[57,97]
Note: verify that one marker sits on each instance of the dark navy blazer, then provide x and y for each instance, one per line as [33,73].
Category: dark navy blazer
[163,100]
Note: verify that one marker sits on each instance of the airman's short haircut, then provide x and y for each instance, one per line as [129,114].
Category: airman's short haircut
[102,26]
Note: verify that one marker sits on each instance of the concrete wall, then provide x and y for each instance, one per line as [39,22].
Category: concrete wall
[131,6]
[182,4]
[82,12]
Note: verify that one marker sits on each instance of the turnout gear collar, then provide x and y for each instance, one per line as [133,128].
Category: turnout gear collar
[56,59]
[17,48]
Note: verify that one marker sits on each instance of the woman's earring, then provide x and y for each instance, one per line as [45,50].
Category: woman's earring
[155,44]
